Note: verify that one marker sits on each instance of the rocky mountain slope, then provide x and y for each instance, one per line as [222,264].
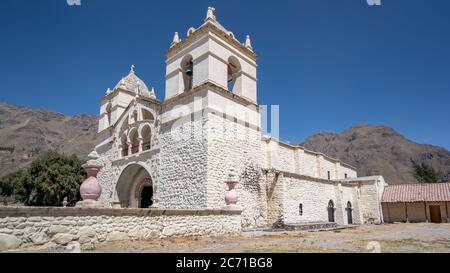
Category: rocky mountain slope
[380,150]
[27,133]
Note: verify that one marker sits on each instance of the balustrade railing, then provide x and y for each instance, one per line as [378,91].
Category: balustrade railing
[146,146]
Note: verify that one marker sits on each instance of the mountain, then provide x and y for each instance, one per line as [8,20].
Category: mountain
[27,133]
[380,150]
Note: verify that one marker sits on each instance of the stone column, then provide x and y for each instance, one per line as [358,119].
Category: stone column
[155,196]
[120,150]
[140,141]
[130,148]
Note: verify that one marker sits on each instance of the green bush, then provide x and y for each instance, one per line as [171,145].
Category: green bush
[46,181]
[424,173]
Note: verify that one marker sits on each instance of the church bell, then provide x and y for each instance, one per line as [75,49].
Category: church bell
[189,70]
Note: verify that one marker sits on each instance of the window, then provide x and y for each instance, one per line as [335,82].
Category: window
[146,115]
[146,138]
[345,175]
[134,141]
[329,175]
[300,209]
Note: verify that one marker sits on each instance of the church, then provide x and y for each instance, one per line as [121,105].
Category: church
[177,153]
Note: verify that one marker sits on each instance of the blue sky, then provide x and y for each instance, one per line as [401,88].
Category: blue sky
[328,64]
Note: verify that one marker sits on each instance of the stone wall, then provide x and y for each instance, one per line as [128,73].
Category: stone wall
[57,227]
[233,145]
[183,164]
[370,193]
[286,191]
[313,195]
[295,159]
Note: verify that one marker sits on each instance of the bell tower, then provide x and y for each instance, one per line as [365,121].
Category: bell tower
[210,120]
[211,54]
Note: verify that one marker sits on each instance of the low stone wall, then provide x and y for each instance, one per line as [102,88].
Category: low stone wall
[41,227]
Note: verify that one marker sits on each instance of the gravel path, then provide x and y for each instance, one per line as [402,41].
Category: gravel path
[423,237]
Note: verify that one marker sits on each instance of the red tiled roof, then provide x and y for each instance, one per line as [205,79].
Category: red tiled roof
[430,192]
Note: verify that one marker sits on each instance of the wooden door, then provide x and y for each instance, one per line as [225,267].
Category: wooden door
[349,213]
[331,211]
[435,214]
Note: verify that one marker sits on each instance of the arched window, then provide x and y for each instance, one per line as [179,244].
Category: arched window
[146,138]
[187,68]
[124,144]
[234,68]
[147,115]
[134,141]
[300,209]
[330,211]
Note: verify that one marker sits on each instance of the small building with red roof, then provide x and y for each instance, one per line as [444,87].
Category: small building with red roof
[425,202]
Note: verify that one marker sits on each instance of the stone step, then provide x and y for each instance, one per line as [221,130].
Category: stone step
[308,226]
[317,226]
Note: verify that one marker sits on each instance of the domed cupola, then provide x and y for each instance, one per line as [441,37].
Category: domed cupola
[133,83]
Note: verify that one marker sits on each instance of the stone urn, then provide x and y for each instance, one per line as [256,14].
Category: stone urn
[90,189]
[231,196]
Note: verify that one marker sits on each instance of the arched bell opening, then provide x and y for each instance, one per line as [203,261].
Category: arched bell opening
[187,68]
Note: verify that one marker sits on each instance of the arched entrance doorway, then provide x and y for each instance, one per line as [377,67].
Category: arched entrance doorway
[349,213]
[331,211]
[134,189]
[146,197]
[144,192]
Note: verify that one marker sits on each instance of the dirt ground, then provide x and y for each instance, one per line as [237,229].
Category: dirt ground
[424,237]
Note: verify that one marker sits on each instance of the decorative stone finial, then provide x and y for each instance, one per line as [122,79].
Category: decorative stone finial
[232,175]
[248,43]
[210,14]
[190,31]
[231,197]
[132,69]
[176,39]
[93,155]
[152,93]
[90,189]
[65,202]
[108,91]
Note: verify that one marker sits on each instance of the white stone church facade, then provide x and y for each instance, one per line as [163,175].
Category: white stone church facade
[177,153]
